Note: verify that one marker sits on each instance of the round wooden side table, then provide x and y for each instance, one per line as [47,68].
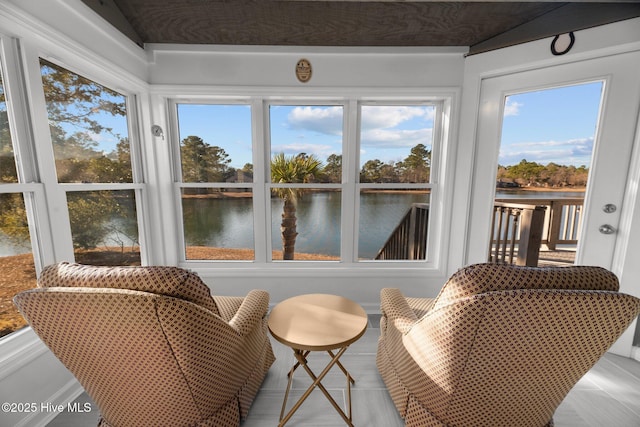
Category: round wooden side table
[317,322]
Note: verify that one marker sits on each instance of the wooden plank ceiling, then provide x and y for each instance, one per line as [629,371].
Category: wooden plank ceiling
[479,25]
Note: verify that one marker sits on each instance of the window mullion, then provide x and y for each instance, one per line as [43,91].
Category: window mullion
[261,200]
[56,208]
[350,201]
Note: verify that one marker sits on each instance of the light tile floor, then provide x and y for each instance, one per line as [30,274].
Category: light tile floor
[608,395]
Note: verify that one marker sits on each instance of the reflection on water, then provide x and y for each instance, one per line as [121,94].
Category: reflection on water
[318,223]
[228,222]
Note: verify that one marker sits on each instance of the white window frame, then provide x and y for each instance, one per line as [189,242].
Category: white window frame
[56,192]
[441,177]
[19,127]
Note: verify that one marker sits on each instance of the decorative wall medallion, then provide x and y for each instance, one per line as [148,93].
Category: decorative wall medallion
[562,43]
[303,70]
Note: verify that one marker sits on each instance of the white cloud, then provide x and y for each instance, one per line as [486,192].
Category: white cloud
[320,150]
[570,152]
[325,120]
[511,108]
[395,138]
[106,142]
[383,117]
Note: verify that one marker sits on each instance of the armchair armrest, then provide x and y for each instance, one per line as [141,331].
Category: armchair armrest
[396,309]
[251,312]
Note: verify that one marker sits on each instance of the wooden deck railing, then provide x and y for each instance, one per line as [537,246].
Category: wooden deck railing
[409,239]
[562,220]
[516,233]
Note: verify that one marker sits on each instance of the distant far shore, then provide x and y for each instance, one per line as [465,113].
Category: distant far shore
[231,194]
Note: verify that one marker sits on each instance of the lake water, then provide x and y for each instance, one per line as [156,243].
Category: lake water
[228,222]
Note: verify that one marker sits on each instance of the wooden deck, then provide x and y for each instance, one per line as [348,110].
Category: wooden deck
[560,257]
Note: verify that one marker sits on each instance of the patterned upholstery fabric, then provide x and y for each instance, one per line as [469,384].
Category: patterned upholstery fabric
[148,344]
[501,345]
[170,281]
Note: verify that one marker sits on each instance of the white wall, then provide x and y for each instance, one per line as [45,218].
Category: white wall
[32,377]
[272,68]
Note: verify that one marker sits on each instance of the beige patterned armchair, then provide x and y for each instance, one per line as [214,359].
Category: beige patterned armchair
[501,345]
[150,345]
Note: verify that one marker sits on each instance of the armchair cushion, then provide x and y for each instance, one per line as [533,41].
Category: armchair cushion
[170,281]
[481,278]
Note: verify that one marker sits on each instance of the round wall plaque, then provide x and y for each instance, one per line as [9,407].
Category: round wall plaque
[303,70]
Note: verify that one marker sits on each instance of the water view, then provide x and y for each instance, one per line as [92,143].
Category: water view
[228,223]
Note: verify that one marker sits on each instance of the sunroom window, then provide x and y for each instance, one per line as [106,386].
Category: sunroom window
[311,181]
[305,175]
[216,181]
[16,257]
[88,123]
[396,144]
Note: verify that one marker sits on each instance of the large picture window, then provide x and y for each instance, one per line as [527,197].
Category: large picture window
[277,182]
[88,123]
[305,165]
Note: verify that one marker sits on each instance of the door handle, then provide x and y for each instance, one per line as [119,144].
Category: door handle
[607,229]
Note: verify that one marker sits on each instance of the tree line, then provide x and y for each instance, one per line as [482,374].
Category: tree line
[532,174]
[203,162]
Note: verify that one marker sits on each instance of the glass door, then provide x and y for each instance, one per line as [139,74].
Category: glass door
[545,155]
[600,224]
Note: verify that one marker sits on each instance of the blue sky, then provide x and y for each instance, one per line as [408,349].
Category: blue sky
[555,125]
[225,126]
[388,132]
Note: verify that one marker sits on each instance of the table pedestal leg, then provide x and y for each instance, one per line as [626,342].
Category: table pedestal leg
[301,357]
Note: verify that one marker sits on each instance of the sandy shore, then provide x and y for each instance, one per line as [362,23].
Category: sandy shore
[18,274]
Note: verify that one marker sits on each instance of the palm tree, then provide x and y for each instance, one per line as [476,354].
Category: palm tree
[301,168]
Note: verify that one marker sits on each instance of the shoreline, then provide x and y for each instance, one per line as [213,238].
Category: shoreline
[248,194]
[544,189]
